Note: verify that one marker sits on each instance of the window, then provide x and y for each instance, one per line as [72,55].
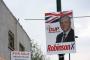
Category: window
[21,47]
[11,40]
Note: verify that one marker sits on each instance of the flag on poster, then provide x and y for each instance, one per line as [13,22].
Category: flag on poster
[60,37]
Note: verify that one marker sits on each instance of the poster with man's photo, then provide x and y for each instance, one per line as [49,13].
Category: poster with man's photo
[60,38]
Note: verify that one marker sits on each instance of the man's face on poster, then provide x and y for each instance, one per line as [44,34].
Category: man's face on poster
[65,23]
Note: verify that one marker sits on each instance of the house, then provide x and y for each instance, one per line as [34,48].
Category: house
[12,36]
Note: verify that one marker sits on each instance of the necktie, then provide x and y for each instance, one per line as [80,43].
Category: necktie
[64,36]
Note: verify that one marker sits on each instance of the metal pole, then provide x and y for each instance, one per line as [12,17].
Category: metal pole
[61,56]
[58,5]
[58,2]
[69,56]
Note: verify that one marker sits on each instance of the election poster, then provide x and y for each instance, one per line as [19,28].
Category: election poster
[20,55]
[60,37]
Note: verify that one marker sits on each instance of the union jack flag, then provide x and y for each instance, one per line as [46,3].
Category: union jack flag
[55,16]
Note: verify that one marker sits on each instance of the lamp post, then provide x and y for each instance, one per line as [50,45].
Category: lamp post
[58,2]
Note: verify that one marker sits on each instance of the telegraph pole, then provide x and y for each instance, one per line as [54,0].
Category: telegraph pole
[58,2]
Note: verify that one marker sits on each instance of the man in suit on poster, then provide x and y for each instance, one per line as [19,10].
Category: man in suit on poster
[68,33]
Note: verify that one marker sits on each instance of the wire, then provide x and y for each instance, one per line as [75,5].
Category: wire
[34,19]
[81,17]
[72,17]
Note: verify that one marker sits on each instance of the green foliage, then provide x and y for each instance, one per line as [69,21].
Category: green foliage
[36,52]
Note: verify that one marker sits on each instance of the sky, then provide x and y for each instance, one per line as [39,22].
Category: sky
[35,9]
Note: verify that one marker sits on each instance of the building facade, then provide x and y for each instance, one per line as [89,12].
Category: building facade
[12,35]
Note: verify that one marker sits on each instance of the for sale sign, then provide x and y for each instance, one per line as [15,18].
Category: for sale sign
[20,55]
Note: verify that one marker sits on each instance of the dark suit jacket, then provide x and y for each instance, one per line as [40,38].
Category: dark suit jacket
[69,38]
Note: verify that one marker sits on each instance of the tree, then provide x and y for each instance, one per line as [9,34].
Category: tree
[36,52]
